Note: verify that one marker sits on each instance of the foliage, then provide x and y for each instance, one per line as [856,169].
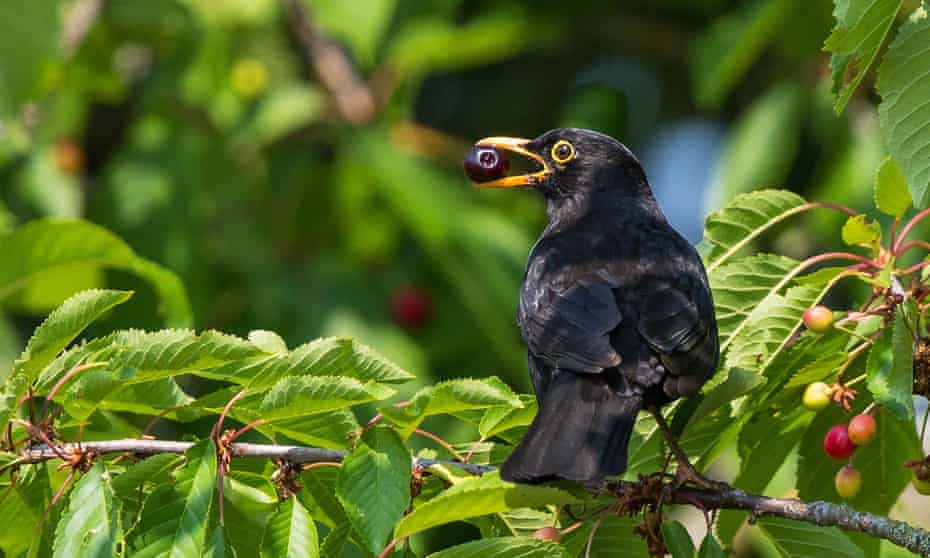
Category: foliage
[204,136]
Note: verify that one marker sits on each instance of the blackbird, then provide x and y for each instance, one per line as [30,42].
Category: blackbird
[615,308]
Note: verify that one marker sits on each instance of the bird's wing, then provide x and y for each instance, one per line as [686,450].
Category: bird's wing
[567,323]
[677,321]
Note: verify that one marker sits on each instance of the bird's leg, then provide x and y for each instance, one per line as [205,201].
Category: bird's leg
[686,471]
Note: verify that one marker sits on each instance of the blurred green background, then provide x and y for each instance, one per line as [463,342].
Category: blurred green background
[297,162]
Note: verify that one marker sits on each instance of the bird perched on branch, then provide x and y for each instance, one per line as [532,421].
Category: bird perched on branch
[615,308]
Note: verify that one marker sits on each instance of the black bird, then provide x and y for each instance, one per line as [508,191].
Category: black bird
[615,308]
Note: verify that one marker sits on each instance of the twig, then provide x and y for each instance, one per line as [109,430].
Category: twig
[825,514]
[351,96]
[84,14]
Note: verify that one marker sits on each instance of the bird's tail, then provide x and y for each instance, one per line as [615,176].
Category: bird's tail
[581,433]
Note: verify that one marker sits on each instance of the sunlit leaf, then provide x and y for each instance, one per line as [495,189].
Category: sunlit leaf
[795,539]
[891,194]
[91,525]
[504,547]
[857,231]
[290,532]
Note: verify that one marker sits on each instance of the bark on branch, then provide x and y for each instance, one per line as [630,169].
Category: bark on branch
[825,514]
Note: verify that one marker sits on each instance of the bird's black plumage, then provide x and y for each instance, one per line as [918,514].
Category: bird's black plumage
[615,310]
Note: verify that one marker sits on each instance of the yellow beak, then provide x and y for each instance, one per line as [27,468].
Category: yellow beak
[518,146]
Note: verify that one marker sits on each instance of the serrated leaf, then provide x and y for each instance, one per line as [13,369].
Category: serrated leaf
[904,114]
[770,326]
[453,396]
[856,231]
[504,547]
[732,228]
[313,395]
[818,369]
[475,497]
[54,246]
[795,539]
[861,27]
[374,486]
[890,369]
[740,285]
[891,194]
[331,356]
[739,382]
[267,341]
[174,518]
[677,540]
[91,525]
[290,532]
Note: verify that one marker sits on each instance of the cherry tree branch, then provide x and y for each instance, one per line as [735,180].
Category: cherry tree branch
[824,514]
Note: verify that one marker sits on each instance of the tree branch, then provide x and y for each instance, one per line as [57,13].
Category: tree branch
[825,514]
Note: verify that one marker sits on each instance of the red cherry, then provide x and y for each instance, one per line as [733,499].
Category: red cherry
[410,307]
[483,164]
[862,429]
[547,534]
[837,443]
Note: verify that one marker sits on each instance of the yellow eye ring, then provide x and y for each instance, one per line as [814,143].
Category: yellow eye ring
[562,152]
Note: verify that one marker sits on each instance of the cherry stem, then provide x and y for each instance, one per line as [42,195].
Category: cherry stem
[914,244]
[218,427]
[915,267]
[441,442]
[855,380]
[151,424]
[839,256]
[61,382]
[873,406]
[574,526]
[907,228]
[246,428]
[387,550]
[377,418]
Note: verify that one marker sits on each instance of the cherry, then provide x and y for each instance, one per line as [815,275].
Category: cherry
[862,429]
[837,444]
[547,534]
[848,481]
[410,307]
[69,157]
[483,164]
[818,318]
[817,396]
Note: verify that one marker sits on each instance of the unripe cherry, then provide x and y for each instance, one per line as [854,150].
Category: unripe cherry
[818,318]
[547,534]
[816,396]
[862,429]
[848,481]
[837,444]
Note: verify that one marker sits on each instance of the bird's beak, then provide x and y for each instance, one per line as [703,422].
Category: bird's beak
[518,146]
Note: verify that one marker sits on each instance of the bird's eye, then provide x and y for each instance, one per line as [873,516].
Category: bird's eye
[563,152]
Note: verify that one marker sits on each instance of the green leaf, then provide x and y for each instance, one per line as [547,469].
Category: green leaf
[361,23]
[150,470]
[615,538]
[817,369]
[677,540]
[374,486]
[268,341]
[291,532]
[335,541]
[727,49]
[710,548]
[890,369]
[453,396]
[281,112]
[891,194]
[856,231]
[795,539]
[63,325]
[91,525]
[776,117]
[498,421]
[732,228]
[741,285]
[475,497]
[861,27]
[29,38]
[331,356]
[904,114]
[174,518]
[504,547]
[312,395]
[218,545]
[739,382]
[48,246]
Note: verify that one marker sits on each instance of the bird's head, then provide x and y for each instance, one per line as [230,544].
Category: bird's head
[567,162]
